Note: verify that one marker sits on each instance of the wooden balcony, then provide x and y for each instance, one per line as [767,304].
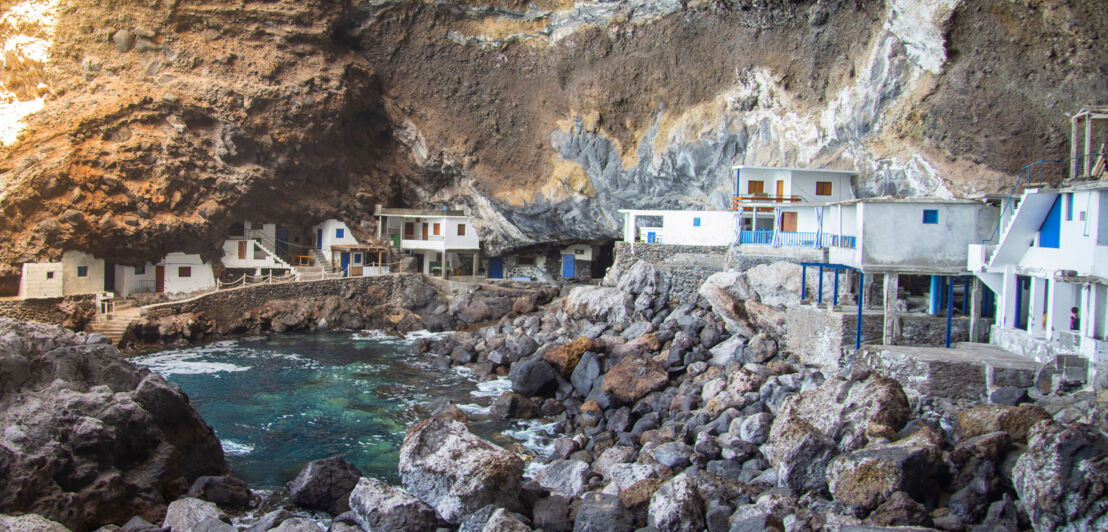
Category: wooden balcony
[747,201]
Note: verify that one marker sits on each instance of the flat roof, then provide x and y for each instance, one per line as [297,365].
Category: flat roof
[428,213]
[645,212]
[1085,184]
[908,199]
[793,169]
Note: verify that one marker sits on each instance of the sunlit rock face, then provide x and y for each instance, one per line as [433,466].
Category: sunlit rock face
[162,122]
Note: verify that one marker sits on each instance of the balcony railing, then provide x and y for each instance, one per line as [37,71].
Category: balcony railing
[768,237]
[741,201]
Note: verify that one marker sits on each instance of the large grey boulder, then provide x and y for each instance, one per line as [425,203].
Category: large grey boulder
[455,472]
[89,439]
[1062,479]
[223,490]
[600,512]
[600,304]
[568,477]
[29,523]
[531,376]
[868,477]
[295,524]
[379,507]
[503,521]
[187,513]
[726,292]
[325,484]
[644,279]
[677,506]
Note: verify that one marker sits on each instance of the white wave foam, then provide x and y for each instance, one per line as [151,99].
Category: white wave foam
[472,409]
[185,363]
[535,436]
[234,448]
[492,388]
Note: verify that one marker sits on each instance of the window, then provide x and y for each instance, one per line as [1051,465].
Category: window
[339,233]
[526,260]
[438,229]
[755,187]
[357,258]
[823,188]
[578,251]
[409,231]
[1069,207]
[140,270]
[930,216]
[256,226]
[82,271]
[461,229]
[184,271]
[696,222]
[49,275]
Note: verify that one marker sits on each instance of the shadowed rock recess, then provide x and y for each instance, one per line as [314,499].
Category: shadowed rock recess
[163,122]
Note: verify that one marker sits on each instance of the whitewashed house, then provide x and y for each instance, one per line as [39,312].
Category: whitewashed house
[1049,256]
[769,198]
[177,273]
[443,242]
[682,228]
[78,273]
[339,250]
[255,246]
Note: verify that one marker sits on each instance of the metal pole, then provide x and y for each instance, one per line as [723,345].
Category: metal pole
[835,298]
[861,296]
[949,310]
[965,295]
[819,297]
[803,282]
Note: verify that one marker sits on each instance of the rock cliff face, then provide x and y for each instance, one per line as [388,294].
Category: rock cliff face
[162,122]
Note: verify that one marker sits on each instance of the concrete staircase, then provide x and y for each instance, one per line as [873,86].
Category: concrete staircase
[1025,222]
[114,325]
[322,261]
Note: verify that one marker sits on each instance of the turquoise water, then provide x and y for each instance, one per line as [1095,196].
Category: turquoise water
[279,402]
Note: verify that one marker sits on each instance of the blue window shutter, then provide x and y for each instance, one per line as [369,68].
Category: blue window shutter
[82,271]
[1069,206]
[696,222]
[339,233]
[930,216]
[1050,232]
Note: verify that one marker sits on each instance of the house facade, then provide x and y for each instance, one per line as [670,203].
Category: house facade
[441,242]
[256,247]
[683,228]
[78,273]
[177,273]
[767,198]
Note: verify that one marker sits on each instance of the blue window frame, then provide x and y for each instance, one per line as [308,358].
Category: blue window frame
[1069,207]
[82,271]
[696,222]
[930,216]
[339,233]
[1050,232]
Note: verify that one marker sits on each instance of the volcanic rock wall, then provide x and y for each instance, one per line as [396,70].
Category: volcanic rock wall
[164,121]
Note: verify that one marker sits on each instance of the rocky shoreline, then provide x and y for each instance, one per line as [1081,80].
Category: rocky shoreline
[679,414]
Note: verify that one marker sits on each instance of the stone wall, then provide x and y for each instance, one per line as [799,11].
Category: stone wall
[40,310]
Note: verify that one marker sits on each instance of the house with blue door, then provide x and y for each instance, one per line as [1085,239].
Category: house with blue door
[1049,256]
[572,262]
[340,252]
[442,242]
[682,228]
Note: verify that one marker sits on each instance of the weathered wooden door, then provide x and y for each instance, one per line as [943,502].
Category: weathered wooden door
[424,231]
[788,222]
[242,249]
[780,188]
[159,278]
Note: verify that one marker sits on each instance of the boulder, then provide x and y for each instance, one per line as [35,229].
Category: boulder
[502,520]
[1062,479]
[565,357]
[211,524]
[599,304]
[552,513]
[728,351]
[778,284]
[532,376]
[726,292]
[1015,420]
[294,524]
[643,278]
[455,472]
[611,456]
[325,484]
[755,429]
[674,454]
[600,512]
[268,521]
[586,374]
[89,439]
[677,506]
[223,490]
[633,378]
[800,452]
[867,477]
[768,319]
[514,405]
[29,523]
[568,477]
[760,349]
[901,510]
[379,507]
[187,513]
[842,409]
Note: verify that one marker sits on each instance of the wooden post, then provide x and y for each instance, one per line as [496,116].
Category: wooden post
[891,330]
[380,254]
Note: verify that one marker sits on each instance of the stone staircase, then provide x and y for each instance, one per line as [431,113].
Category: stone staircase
[114,325]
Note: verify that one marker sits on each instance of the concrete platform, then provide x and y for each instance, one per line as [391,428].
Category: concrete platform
[966,371]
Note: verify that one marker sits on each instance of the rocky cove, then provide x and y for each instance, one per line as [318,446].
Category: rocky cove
[670,413]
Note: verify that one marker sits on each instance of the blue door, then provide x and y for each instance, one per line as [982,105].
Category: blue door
[651,236]
[567,266]
[496,268]
[345,259]
[319,239]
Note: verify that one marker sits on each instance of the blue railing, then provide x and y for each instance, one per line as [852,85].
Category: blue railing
[767,237]
[1038,170]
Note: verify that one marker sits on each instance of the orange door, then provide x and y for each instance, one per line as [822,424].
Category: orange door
[159,279]
[780,189]
[788,222]
[242,249]
[424,231]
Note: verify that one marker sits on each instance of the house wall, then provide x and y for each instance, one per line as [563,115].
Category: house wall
[893,236]
[1082,239]
[90,283]
[798,183]
[717,228]
[201,277]
[448,237]
[231,255]
[128,282]
[329,235]
[37,282]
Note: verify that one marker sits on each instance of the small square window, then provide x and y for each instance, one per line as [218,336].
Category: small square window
[461,229]
[696,222]
[823,188]
[357,258]
[184,271]
[930,216]
[140,270]
[526,260]
[339,233]
[49,275]
[82,271]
